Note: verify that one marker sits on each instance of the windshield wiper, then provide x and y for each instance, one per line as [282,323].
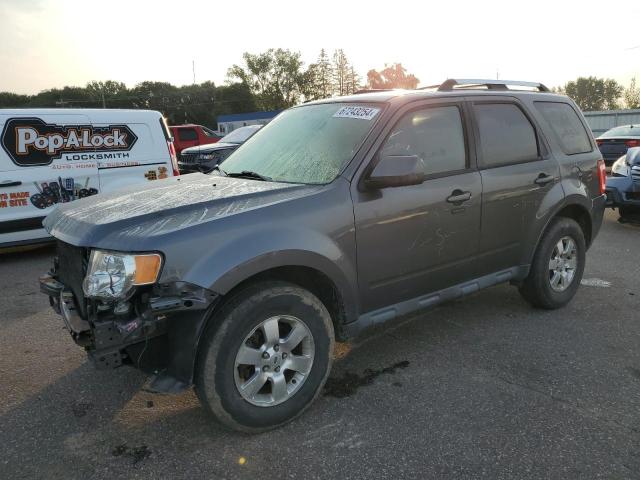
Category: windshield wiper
[249,174]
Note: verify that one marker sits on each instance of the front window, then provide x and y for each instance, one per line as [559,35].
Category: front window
[241,134]
[308,144]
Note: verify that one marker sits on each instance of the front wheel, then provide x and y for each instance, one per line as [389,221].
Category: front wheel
[558,265]
[265,356]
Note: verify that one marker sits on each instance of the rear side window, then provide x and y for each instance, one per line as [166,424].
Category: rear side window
[566,126]
[506,134]
[433,134]
[187,134]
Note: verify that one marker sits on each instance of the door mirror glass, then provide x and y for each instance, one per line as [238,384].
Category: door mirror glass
[396,171]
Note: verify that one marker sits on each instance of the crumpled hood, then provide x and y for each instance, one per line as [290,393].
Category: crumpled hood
[210,147]
[110,220]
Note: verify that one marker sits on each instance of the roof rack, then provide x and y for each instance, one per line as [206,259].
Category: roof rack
[372,90]
[462,83]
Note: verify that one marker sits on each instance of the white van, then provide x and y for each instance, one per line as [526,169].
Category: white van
[50,156]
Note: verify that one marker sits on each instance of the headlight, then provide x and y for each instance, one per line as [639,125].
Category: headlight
[620,167]
[112,275]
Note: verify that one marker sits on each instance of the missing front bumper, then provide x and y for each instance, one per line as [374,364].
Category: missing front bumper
[161,338]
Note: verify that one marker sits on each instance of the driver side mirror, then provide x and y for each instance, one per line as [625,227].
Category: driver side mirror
[396,171]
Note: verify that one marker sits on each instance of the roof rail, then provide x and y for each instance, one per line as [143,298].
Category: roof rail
[372,90]
[448,84]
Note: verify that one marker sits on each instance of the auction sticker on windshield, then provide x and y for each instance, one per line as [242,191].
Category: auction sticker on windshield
[363,113]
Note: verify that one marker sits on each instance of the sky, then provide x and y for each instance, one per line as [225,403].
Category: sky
[53,43]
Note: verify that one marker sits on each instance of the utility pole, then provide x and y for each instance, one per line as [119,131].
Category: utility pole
[193,67]
[104,104]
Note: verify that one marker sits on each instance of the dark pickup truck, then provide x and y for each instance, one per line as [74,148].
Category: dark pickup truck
[339,215]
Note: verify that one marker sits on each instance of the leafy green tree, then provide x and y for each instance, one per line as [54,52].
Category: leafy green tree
[353,81]
[323,80]
[341,71]
[276,77]
[632,95]
[592,93]
[13,100]
[392,76]
[109,94]
[234,98]
[66,97]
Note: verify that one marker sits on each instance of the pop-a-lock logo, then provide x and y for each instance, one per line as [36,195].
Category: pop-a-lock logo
[30,141]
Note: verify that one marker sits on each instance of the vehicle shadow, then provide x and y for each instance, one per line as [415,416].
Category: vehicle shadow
[48,427]
[19,272]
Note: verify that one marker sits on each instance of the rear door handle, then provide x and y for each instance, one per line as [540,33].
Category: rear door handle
[10,183]
[543,179]
[458,196]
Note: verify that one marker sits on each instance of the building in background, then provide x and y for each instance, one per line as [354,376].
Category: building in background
[228,123]
[600,122]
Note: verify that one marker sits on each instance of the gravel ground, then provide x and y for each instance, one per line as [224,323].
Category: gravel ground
[484,387]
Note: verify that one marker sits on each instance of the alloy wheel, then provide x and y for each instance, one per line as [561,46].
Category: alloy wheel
[274,361]
[563,264]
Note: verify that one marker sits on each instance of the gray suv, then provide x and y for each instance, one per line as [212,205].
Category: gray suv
[339,215]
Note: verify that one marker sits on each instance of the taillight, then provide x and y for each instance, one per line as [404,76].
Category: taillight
[602,176]
[599,142]
[174,159]
[632,143]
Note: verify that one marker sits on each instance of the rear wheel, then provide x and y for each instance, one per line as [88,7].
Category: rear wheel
[557,267]
[265,356]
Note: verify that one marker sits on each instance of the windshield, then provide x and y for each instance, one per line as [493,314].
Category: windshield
[210,133]
[241,134]
[625,131]
[308,144]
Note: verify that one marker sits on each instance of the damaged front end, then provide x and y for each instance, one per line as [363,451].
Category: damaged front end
[152,326]
[623,186]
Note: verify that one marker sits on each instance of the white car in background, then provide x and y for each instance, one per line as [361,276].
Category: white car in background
[51,156]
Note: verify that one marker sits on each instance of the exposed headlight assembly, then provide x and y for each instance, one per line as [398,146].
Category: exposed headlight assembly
[113,275]
[620,168]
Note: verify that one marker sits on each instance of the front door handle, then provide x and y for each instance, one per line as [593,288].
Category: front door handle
[458,196]
[543,179]
[10,183]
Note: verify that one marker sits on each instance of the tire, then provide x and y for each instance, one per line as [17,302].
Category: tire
[542,288]
[245,325]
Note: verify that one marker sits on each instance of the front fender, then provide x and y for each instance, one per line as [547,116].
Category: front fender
[242,258]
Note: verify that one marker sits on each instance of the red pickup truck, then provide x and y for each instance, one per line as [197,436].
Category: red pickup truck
[185,136]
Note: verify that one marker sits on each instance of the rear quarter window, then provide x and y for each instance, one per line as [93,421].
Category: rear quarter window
[566,126]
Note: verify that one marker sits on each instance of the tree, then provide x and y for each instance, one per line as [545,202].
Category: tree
[319,78]
[632,95]
[353,81]
[276,77]
[13,100]
[592,93]
[108,93]
[392,76]
[341,71]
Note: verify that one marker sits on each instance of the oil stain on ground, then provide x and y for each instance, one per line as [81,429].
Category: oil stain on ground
[137,454]
[348,384]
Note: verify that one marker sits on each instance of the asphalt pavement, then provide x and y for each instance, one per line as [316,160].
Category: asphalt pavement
[484,387]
